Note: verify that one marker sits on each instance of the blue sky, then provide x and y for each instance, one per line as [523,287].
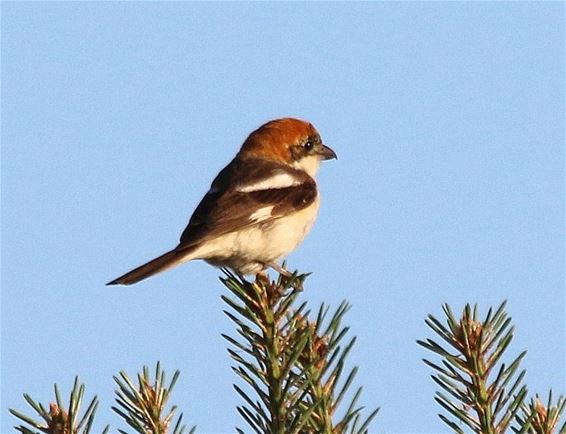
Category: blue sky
[448,120]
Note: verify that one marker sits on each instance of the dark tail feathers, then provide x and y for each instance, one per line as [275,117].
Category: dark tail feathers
[157,265]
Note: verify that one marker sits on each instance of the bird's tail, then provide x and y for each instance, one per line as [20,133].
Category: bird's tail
[157,265]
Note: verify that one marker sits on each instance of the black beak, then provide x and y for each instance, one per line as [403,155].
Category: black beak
[327,154]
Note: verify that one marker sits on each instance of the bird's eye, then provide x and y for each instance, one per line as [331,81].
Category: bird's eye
[308,145]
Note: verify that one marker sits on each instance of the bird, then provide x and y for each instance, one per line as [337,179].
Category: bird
[258,209]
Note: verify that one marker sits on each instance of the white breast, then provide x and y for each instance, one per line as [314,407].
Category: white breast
[282,236]
[247,250]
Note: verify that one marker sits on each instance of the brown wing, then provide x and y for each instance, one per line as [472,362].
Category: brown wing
[225,209]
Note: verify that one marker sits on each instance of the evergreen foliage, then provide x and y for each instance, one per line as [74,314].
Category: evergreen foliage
[477,390]
[291,363]
[537,418]
[143,406]
[60,419]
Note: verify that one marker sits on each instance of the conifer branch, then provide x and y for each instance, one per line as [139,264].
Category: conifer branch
[538,418]
[60,419]
[475,389]
[293,365]
[143,406]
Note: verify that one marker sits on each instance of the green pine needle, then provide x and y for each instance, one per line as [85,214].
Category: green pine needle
[143,406]
[291,364]
[477,390]
[60,419]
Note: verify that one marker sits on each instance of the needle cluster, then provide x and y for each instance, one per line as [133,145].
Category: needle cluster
[293,379]
[60,418]
[143,406]
[538,418]
[477,390]
[293,365]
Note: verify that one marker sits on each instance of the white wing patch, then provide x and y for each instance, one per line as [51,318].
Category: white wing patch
[278,180]
[262,214]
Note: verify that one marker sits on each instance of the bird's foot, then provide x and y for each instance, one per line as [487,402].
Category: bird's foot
[262,278]
[275,266]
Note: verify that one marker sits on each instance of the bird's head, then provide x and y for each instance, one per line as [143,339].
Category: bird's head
[289,141]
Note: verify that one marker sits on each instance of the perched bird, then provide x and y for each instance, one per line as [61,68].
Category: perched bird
[259,207]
